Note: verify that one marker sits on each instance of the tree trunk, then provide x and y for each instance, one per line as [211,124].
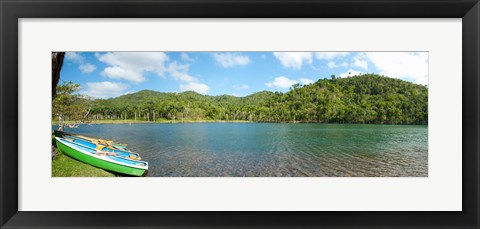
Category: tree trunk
[61,125]
[57,62]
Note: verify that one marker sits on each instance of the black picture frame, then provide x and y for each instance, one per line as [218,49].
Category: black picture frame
[11,11]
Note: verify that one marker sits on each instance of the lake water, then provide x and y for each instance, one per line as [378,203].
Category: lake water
[272,149]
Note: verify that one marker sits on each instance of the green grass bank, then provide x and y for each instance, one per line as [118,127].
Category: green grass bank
[65,166]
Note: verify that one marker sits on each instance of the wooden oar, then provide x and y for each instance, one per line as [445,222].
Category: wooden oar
[100,151]
[101,141]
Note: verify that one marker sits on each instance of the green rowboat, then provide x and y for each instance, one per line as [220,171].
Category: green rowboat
[108,145]
[92,156]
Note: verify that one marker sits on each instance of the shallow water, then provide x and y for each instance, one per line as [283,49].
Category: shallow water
[272,149]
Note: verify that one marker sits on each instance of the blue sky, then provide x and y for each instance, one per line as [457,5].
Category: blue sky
[111,74]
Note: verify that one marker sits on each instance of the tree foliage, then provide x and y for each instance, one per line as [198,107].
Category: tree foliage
[71,109]
[365,98]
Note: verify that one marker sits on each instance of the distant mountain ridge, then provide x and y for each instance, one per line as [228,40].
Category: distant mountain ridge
[365,98]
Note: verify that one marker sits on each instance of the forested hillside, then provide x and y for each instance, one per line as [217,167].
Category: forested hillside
[359,99]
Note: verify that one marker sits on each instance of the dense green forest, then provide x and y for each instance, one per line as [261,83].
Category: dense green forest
[366,98]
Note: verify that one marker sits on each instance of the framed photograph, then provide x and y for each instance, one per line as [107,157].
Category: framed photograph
[240,114]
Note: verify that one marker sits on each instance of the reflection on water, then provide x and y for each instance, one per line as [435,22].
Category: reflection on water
[272,149]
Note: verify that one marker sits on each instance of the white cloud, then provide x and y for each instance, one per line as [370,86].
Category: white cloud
[228,60]
[332,64]
[74,57]
[87,68]
[132,66]
[117,72]
[350,73]
[185,57]
[79,59]
[197,87]
[281,82]
[402,65]
[180,72]
[293,60]
[329,55]
[105,89]
[306,81]
[360,63]
[241,87]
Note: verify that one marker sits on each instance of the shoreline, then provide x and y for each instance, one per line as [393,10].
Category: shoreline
[159,122]
[223,121]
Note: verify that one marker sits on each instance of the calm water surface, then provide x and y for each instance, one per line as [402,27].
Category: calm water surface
[272,149]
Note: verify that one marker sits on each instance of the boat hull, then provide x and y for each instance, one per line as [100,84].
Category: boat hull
[103,164]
